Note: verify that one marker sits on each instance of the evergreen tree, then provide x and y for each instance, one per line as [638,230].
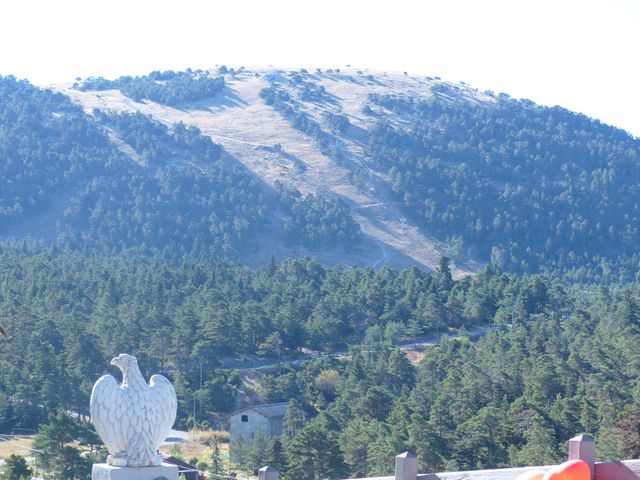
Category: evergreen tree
[293,421]
[443,274]
[399,420]
[54,452]
[381,456]
[15,468]
[52,439]
[364,443]
[629,310]
[274,456]
[432,311]
[217,466]
[314,454]
[257,448]
[401,374]
[431,449]
[541,447]
[239,450]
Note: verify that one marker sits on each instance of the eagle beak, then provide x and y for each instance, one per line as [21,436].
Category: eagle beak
[115,361]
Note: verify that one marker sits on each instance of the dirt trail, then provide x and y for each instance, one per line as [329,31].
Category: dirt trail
[248,130]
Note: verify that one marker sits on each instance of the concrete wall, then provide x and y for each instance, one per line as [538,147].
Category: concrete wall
[248,429]
[581,447]
[276,426]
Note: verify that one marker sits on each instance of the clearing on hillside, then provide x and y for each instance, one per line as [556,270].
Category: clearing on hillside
[332,162]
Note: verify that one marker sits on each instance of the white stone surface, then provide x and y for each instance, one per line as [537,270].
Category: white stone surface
[134,418]
[102,471]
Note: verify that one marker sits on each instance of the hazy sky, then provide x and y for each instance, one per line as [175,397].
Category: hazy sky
[579,54]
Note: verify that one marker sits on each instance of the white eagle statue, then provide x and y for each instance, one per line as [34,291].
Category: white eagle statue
[134,418]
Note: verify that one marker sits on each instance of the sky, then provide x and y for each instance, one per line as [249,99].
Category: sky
[580,54]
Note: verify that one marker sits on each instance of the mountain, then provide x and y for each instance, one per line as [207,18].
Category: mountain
[119,197]
[347,166]
[125,182]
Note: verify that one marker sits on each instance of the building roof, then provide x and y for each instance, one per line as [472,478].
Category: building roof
[269,410]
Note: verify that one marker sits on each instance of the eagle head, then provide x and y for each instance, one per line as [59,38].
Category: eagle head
[125,362]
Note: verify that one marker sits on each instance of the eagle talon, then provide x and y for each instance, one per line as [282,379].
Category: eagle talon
[117,461]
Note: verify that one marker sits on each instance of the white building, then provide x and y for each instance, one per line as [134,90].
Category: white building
[249,420]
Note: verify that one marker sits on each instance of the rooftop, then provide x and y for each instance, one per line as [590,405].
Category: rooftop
[269,410]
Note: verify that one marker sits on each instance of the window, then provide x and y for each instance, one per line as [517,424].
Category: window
[244,418]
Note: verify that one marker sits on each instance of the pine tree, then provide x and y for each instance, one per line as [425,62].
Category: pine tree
[15,468]
[217,466]
[400,371]
[293,421]
[380,455]
[257,448]
[443,274]
[274,456]
[238,450]
[541,447]
[399,420]
[366,446]
[629,310]
[431,449]
[314,454]
[432,311]
[54,454]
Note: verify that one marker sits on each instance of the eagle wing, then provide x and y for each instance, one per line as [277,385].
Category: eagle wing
[108,414]
[163,413]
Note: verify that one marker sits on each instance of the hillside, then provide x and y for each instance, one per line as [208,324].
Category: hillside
[357,168]
[257,135]
[126,183]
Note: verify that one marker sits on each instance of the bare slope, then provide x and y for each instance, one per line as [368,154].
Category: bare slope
[265,142]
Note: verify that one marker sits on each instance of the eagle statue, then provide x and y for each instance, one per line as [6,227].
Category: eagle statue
[134,418]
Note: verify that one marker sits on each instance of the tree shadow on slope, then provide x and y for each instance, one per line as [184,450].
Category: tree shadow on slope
[227,98]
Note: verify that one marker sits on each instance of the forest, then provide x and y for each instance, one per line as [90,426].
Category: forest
[527,187]
[514,397]
[169,87]
[278,98]
[122,234]
[565,359]
[66,183]
[315,220]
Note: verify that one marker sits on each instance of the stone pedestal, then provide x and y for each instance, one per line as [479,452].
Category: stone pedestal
[583,447]
[102,471]
[406,466]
